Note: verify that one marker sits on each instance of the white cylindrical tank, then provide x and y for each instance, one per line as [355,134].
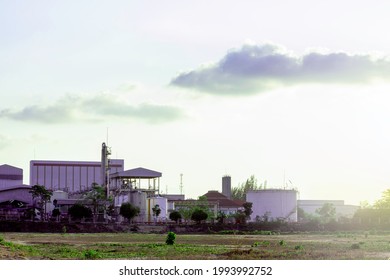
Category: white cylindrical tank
[139,199]
[162,202]
[273,204]
[56,195]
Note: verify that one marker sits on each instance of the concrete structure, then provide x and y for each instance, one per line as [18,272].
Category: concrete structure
[137,179]
[10,176]
[162,203]
[227,186]
[171,200]
[70,176]
[273,204]
[342,210]
[136,186]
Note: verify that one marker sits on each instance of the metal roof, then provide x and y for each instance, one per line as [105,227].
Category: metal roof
[139,172]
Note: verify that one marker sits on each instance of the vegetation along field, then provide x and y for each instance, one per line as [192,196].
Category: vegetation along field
[228,245]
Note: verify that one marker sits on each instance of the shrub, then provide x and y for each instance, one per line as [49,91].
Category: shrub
[282,242]
[199,215]
[298,247]
[175,216]
[129,211]
[170,238]
[91,254]
[79,211]
[56,212]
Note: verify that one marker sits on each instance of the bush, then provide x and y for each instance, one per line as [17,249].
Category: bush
[79,211]
[298,247]
[170,238]
[199,215]
[129,211]
[175,216]
[91,254]
[56,212]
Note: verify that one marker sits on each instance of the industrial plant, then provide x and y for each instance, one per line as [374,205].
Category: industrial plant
[70,181]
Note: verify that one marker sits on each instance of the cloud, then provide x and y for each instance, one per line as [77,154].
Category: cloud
[72,108]
[256,68]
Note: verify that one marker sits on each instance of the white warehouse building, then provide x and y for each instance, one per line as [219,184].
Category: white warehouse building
[273,204]
[70,176]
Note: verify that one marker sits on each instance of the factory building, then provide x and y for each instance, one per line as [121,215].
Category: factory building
[140,187]
[14,196]
[10,176]
[273,204]
[70,176]
[342,210]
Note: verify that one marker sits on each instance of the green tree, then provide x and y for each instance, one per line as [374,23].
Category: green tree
[203,205]
[250,184]
[97,196]
[156,210]
[221,217]
[175,216]
[384,202]
[186,212]
[200,204]
[248,209]
[43,196]
[327,212]
[240,217]
[129,211]
[199,215]
[79,211]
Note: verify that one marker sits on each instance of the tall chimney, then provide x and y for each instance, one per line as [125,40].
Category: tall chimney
[227,186]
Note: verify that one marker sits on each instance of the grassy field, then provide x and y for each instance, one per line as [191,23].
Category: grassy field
[264,245]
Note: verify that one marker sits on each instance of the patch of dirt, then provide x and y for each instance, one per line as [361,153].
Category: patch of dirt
[7,254]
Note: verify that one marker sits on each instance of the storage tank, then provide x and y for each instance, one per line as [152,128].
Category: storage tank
[273,204]
[56,195]
[162,202]
[139,199]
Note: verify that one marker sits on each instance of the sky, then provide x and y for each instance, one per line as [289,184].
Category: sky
[296,93]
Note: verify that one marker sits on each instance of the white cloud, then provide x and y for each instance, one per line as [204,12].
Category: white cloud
[256,68]
[74,108]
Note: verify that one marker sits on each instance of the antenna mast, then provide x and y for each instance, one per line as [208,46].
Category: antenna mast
[181,183]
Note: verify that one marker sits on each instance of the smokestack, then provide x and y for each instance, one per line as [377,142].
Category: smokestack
[105,169]
[227,186]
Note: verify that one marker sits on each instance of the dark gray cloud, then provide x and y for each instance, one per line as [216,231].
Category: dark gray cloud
[256,68]
[97,109]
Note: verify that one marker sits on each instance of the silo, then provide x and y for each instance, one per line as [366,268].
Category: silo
[227,186]
[139,199]
[162,202]
[273,204]
[56,195]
